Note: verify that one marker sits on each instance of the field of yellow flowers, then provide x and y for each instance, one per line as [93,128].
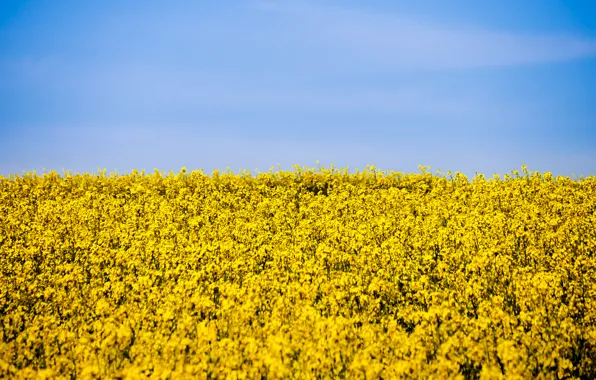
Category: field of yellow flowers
[310,273]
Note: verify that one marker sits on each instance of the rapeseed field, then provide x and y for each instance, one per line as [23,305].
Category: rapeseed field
[310,273]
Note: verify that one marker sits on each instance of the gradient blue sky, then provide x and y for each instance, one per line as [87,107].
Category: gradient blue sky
[461,85]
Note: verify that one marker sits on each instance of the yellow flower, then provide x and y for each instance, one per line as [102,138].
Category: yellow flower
[303,274]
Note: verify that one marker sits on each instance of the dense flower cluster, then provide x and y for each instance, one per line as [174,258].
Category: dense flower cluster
[311,273]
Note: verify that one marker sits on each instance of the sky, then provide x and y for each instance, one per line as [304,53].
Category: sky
[461,85]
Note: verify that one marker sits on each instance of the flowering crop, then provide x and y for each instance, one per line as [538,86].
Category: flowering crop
[302,274]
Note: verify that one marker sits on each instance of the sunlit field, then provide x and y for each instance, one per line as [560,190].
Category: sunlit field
[310,273]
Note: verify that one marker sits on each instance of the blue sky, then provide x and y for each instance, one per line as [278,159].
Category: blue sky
[461,85]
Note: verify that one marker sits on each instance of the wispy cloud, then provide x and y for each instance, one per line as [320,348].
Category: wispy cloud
[401,41]
[144,92]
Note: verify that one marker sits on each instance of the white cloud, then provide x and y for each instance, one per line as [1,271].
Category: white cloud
[400,41]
